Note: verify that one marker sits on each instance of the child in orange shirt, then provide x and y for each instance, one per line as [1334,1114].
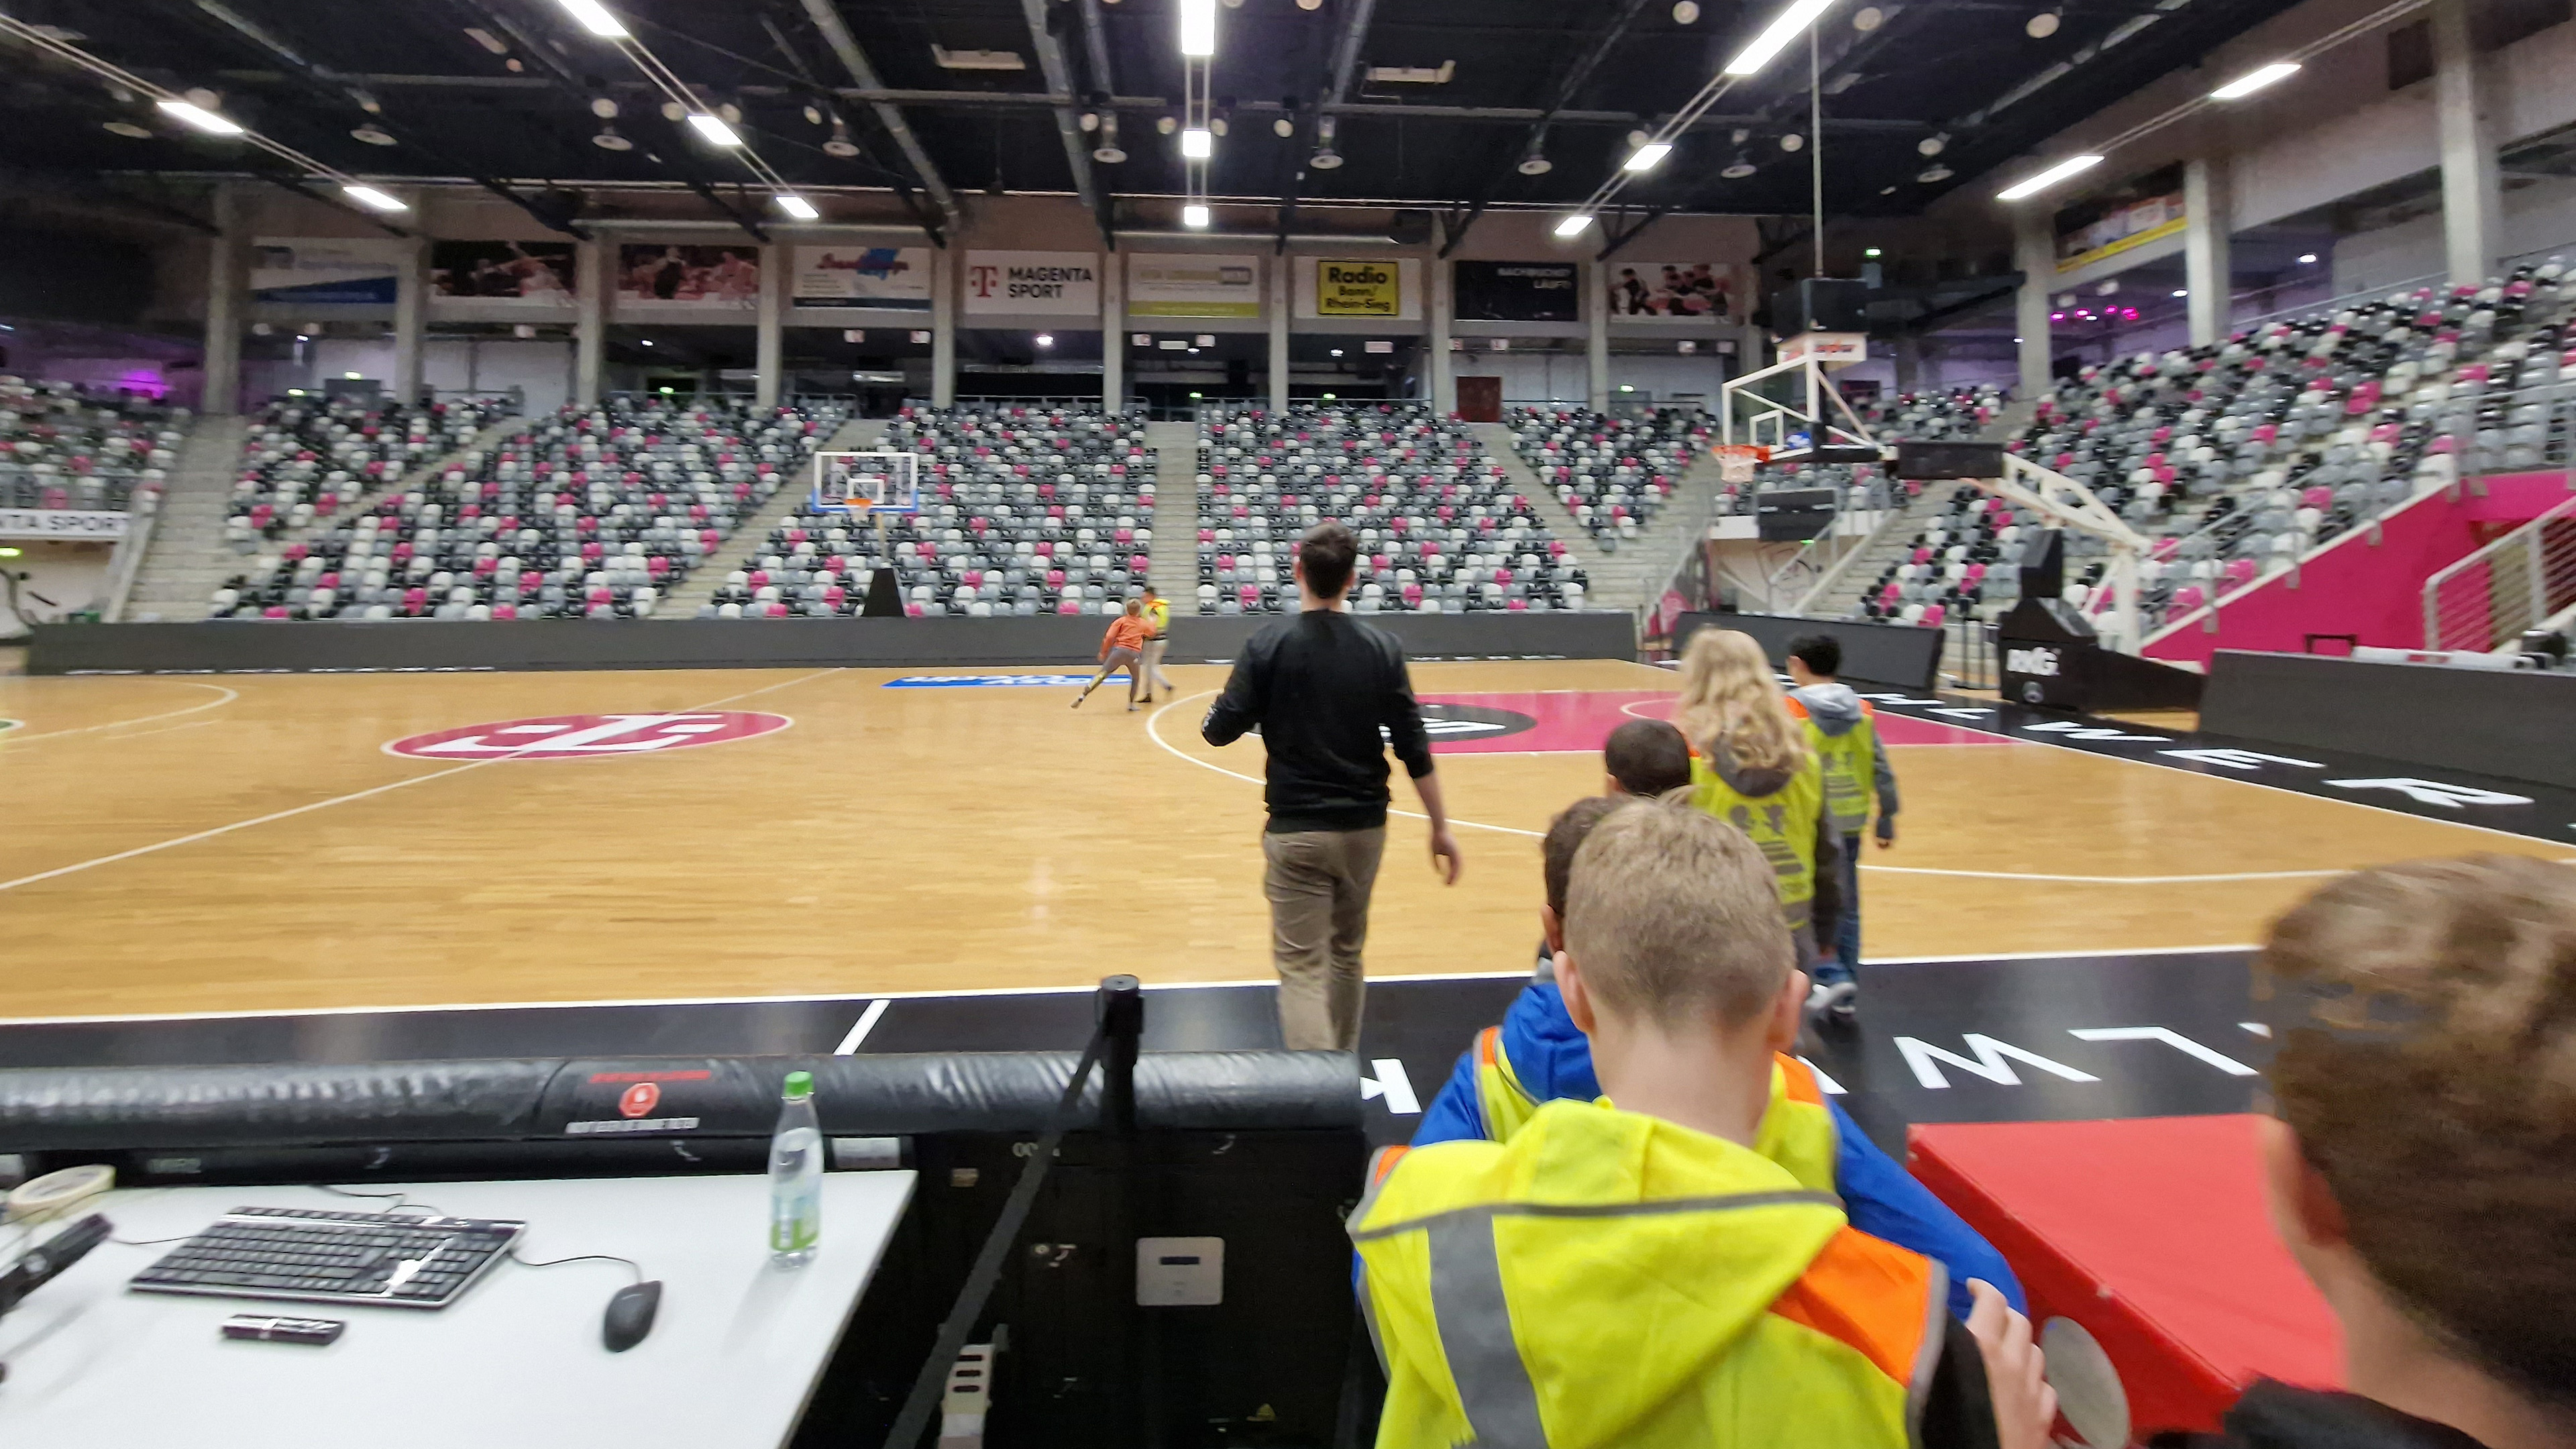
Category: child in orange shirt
[1123,647]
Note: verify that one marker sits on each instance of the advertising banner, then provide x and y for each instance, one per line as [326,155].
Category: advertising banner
[61,523]
[1698,290]
[895,278]
[1517,291]
[533,274]
[1055,283]
[1358,288]
[2133,214]
[1193,286]
[326,271]
[655,277]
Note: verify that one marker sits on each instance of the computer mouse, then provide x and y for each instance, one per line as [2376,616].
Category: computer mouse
[630,1315]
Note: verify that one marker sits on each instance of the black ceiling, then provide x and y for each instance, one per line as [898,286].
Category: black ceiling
[295,69]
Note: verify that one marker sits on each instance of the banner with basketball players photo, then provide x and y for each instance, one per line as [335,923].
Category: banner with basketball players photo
[1706,291]
[526,274]
[664,277]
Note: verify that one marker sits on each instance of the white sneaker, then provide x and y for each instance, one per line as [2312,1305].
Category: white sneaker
[1834,1001]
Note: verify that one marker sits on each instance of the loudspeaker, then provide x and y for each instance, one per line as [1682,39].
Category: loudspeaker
[1936,462]
[2044,576]
[1820,304]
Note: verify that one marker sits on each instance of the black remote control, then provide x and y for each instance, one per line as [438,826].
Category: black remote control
[266,1329]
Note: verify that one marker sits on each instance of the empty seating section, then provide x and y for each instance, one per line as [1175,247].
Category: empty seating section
[1959,566]
[304,457]
[591,513]
[1960,414]
[1611,473]
[62,446]
[1023,511]
[1440,528]
[2236,459]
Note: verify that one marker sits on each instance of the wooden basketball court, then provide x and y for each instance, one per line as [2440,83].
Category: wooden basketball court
[251,843]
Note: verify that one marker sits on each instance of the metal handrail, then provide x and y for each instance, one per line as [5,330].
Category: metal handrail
[2539,565]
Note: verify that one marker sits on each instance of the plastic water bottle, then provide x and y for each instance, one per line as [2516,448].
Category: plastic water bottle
[796,1176]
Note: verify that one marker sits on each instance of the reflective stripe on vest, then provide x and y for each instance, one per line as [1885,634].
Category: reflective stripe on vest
[1502,1103]
[1782,824]
[1850,764]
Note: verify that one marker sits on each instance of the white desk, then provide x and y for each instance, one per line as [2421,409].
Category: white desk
[733,1355]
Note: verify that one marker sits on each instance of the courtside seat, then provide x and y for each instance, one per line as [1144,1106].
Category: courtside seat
[1436,518]
[64,445]
[586,514]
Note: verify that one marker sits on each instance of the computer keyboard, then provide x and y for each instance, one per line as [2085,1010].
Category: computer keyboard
[320,1256]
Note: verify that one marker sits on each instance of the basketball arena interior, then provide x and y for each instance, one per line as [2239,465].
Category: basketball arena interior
[547,547]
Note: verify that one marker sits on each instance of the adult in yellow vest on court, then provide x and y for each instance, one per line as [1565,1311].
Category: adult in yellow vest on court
[1669,1266]
[1842,731]
[1751,768]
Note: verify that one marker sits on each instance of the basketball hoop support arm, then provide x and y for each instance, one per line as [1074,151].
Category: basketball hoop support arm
[2069,504]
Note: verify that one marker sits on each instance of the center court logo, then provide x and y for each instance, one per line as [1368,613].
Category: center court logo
[588,736]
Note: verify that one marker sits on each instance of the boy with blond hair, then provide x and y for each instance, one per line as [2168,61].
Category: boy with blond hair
[1671,1266]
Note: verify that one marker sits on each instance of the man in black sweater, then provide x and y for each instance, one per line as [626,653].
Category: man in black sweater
[1331,697]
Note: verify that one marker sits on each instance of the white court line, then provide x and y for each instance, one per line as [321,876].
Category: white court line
[274,816]
[229,695]
[1154,719]
[1264,983]
[859,1029]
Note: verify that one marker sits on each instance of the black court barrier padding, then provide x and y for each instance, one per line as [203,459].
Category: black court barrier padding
[324,646]
[288,1105]
[1903,655]
[2510,724]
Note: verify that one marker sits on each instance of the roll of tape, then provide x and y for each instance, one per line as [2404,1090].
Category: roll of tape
[57,1192]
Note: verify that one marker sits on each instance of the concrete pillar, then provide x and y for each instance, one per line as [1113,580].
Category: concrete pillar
[945,270]
[225,280]
[1280,294]
[769,345]
[1442,375]
[1113,334]
[1596,352]
[2207,270]
[2035,248]
[590,319]
[411,322]
[2472,191]
[1909,362]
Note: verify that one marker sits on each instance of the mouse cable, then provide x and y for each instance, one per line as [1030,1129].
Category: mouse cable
[631,1265]
[400,1200]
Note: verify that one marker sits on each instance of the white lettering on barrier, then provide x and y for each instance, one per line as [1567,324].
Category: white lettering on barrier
[2170,1037]
[2240,759]
[2041,663]
[1925,1058]
[2434,792]
[63,523]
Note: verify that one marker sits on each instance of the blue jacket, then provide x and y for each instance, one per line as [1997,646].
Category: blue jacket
[1551,1059]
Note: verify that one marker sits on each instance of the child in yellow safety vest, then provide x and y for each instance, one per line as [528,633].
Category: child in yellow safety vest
[1752,769]
[1842,733]
[1670,1265]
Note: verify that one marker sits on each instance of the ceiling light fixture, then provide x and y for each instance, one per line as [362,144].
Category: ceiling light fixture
[2252,81]
[199,117]
[129,129]
[2044,24]
[1045,340]
[1194,215]
[797,206]
[2308,259]
[1933,145]
[1792,142]
[1776,36]
[373,135]
[1198,27]
[647,342]
[1648,156]
[714,130]
[1108,152]
[1934,175]
[1868,18]
[372,199]
[1535,164]
[1739,168]
[603,107]
[1197,145]
[1325,157]
[1685,12]
[840,145]
[1573,225]
[2048,178]
[609,140]
[1283,128]
[596,19]
[2182,291]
